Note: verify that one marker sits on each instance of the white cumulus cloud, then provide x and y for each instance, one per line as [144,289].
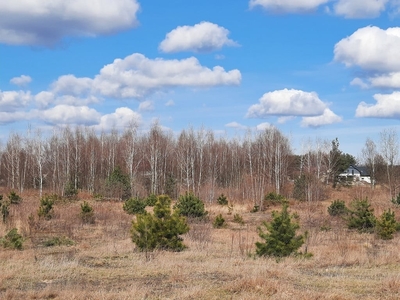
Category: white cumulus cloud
[386,106]
[202,37]
[146,106]
[288,6]
[71,85]
[263,126]
[235,125]
[135,76]
[353,9]
[371,48]
[389,80]
[44,22]
[328,117]
[287,103]
[22,80]
[11,101]
[67,114]
[359,82]
[121,118]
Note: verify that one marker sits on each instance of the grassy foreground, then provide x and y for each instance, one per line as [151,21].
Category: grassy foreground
[218,263]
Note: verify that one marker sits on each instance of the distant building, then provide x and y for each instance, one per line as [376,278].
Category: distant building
[356,173]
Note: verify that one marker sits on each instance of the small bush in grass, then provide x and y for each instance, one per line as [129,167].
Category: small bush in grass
[238,219]
[70,191]
[255,209]
[274,198]
[151,200]
[134,206]
[190,206]
[46,207]
[396,200]
[219,221]
[361,216]
[12,240]
[87,213]
[337,208]
[14,198]
[4,208]
[222,200]
[280,239]
[386,225]
[58,241]
[160,230]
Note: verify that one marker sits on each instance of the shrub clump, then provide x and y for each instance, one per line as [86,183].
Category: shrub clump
[274,198]
[337,208]
[396,200]
[361,216]
[4,208]
[58,241]
[190,206]
[14,198]
[386,225]
[280,240]
[151,200]
[46,207]
[134,206]
[219,221]
[160,230]
[238,219]
[87,213]
[12,240]
[222,200]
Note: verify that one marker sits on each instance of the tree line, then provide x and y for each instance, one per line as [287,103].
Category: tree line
[158,162]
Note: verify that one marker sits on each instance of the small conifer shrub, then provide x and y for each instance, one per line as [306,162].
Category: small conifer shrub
[337,208]
[386,225]
[151,200]
[46,207]
[279,239]
[238,219]
[87,213]
[12,240]
[134,206]
[4,209]
[222,200]
[14,198]
[160,230]
[361,216]
[219,221]
[190,206]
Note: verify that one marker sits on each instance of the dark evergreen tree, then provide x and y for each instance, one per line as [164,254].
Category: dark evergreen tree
[361,216]
[160,230]
[190,206]
[280,240]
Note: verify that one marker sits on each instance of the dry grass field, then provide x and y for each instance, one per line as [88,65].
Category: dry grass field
[218,263]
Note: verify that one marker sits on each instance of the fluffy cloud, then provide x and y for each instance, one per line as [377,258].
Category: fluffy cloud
[287,103]
[11,117]
[170,103]
[66,114]
[71,85]
[235,125]
[390,80]
[387,106]
[360,8]
[371,48]
[328,117]
[359,82]
[202,37]
[38,22]
[121,118]
[146,106]
[263,126]
[288,6]
[11,101]
[135,76]
[22,80]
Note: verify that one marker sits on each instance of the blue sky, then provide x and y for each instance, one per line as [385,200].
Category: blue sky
[313,68]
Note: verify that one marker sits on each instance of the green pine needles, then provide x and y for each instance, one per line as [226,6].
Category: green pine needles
[190,206]
[280,239]
[160,230]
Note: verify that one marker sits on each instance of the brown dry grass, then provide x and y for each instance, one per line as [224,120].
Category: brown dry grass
[218,263]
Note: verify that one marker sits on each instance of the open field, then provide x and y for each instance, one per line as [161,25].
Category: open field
[218,263]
